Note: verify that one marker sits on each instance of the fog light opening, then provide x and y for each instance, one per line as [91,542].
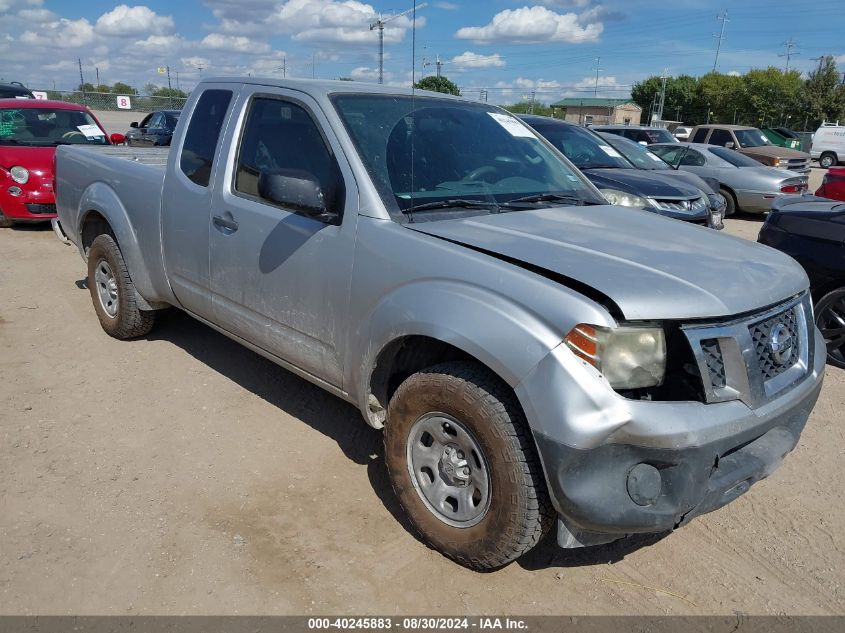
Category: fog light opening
[644,484]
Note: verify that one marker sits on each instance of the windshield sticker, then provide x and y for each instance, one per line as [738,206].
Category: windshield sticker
[610,151]
[91,131]
[10,120]
[512,125]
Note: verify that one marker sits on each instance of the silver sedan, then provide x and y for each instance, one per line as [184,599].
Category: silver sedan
[746,184]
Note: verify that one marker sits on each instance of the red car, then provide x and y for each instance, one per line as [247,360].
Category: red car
[30,130]
[833,185]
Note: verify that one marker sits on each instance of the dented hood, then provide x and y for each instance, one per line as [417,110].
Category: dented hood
[650,267]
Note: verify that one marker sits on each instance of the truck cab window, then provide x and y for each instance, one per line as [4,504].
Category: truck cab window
[202,135]
[281,136]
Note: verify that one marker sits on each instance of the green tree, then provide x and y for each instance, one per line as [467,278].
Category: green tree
[86,87]
[719,94]
[438,84]
[121,88]
[769,97]
[681,96]
[345,79]
[822,97]
[525,107]
[169,92]
[150,89]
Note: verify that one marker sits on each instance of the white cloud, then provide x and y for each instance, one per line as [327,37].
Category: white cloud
[448,6]
[469,59]
[336,21]
[37,16]
[839,59]
[62,33]
[364,73]
[233,43]
[734,73]
[126,20]
[532,24]
[159,45]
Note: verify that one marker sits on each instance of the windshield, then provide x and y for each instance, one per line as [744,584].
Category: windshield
[586,149]
[424,153]
[733,157]
[44,127]
[751,138]
[639,155]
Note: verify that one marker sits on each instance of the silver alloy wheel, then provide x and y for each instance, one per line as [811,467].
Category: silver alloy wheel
[106,288]
[448,470]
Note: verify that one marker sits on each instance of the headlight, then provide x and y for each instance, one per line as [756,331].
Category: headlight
[614,196]
[628,357]
[20,174]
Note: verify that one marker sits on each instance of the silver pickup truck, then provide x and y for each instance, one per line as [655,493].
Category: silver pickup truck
[536,357]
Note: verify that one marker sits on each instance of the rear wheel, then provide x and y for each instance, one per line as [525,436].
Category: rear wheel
[827,160]
[113,292]
[830,319]
[462,462]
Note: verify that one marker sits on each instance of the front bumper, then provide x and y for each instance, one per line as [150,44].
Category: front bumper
[30,206]
[653,466]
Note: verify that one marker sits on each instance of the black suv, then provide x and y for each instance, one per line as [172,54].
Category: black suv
[14,90]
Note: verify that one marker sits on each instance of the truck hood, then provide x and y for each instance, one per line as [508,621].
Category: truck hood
[640,182]
[773,151]
[651,268]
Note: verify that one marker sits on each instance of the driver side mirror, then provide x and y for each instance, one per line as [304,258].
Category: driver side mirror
[133,124]
[298,191]
[730,145]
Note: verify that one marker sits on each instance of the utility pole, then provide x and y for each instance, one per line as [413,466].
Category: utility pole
[658,113]
[169,87]
[790,44]
[723,19]
[379,24]
[82,81]
[439,65]
[313,65]
[97,72]
[483,95]
[597,69]
[531,106]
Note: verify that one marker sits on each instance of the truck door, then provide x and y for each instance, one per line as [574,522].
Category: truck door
[186,199]
[280,276]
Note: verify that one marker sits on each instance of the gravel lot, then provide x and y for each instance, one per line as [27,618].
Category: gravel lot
[182,473]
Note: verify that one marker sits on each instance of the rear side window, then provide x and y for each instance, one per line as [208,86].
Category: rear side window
[700,135]
[721,137]
[203,132]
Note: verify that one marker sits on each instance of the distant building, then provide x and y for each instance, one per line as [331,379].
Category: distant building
[597,111]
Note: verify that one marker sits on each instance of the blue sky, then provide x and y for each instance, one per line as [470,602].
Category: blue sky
[508,48]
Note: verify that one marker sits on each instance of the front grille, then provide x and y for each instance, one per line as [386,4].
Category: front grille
[755,358]
[715,362]
[683,206]
[761,335]
[41,209]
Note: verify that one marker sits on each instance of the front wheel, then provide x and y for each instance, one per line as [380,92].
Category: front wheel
[826,161]
[830,319]
[463,464]
[730,201]
[113,292]
[5,223]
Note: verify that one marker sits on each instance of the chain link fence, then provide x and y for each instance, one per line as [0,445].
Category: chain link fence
[117,102]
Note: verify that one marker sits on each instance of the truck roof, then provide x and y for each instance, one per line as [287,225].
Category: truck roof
[328,86]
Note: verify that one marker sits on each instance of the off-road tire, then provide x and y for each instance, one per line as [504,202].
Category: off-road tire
[730,201]
[129,321]
[519,511]
[827,160]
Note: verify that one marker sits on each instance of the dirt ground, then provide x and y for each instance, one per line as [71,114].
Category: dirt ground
[183,474]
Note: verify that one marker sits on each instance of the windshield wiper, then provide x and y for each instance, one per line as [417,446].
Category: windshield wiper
[452,203]
[547,197]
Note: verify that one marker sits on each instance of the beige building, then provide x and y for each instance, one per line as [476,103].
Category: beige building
[597,111]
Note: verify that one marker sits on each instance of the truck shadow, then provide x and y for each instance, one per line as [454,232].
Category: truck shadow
[342,422]
[547,554]
[323,412]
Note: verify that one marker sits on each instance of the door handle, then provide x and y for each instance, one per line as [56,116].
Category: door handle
[226,223]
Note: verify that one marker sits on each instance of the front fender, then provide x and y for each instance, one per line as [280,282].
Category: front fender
[507,337]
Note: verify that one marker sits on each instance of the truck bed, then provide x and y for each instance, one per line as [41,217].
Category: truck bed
[155,156]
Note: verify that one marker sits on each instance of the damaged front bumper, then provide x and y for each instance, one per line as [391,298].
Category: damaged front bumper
[618,467]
